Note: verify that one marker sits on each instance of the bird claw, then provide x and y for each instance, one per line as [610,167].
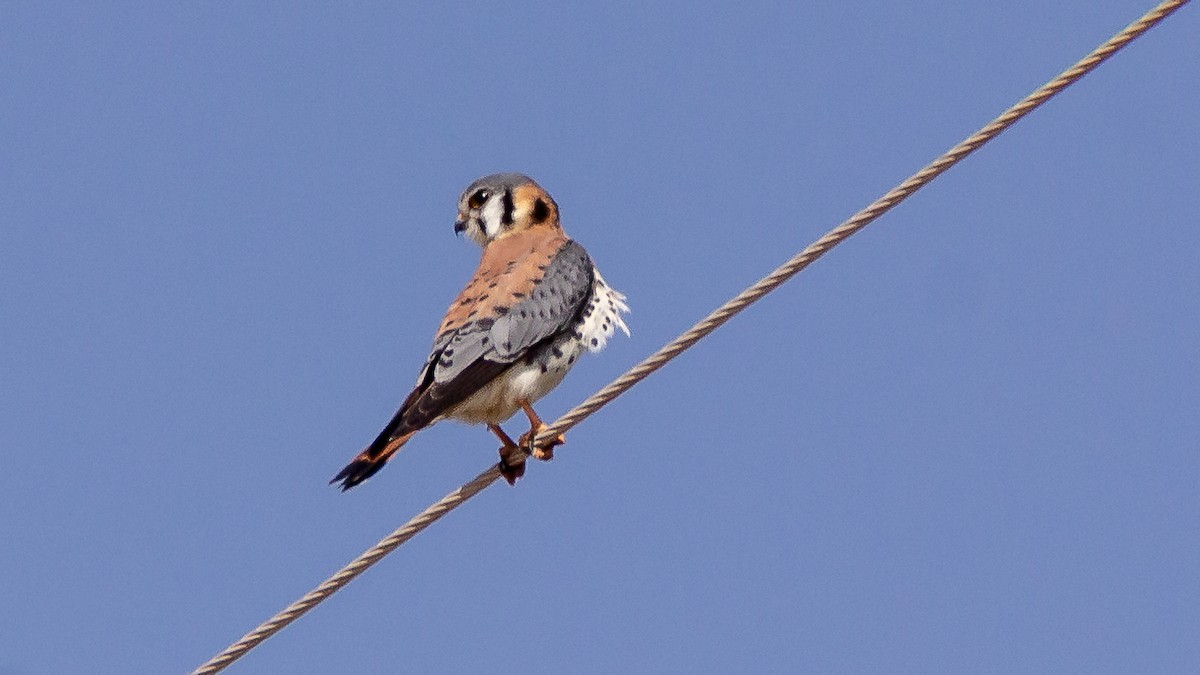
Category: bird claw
[512,460]
[512,464]
[546,453]
[512,455]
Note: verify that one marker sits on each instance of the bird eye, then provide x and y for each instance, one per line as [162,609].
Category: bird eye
[477,198]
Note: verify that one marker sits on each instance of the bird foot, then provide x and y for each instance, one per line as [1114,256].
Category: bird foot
[512,460]
[543,453]
[512,464]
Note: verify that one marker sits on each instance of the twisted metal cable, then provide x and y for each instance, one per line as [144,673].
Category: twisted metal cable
[710,323]
[856,222]
[354,568]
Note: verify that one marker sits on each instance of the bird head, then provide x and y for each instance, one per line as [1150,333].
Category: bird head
[503,204]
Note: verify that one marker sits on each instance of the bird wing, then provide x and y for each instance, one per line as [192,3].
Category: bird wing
[529,289]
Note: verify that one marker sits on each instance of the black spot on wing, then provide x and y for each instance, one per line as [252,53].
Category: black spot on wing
[467,357]
[459,348]
[551,308]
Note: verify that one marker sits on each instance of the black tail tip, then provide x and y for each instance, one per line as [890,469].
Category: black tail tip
[356,472]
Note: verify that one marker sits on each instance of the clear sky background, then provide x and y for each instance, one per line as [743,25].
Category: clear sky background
[968,440]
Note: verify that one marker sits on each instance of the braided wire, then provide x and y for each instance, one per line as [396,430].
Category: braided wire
[856,222]
[697,332]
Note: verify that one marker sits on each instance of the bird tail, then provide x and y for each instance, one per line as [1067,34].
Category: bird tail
[369,461]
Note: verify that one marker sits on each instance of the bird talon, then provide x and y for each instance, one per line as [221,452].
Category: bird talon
[536,426]
[511,471]
[543,453]
[512,459]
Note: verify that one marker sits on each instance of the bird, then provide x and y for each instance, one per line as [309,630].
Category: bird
[535,304]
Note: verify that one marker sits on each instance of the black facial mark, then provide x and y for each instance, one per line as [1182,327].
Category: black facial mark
[541,211]
[507,218]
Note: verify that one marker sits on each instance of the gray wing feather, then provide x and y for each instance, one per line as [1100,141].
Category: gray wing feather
[549,308]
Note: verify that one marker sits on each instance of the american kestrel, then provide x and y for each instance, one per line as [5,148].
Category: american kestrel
[535,304]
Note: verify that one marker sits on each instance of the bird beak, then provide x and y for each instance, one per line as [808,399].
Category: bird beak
[460,225]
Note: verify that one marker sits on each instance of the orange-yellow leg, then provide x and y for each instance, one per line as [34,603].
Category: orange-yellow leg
[535,427]
[512,460]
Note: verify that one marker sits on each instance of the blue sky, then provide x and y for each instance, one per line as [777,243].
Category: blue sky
[967,440]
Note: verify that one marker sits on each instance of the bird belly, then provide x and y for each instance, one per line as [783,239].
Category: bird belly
[530,379]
